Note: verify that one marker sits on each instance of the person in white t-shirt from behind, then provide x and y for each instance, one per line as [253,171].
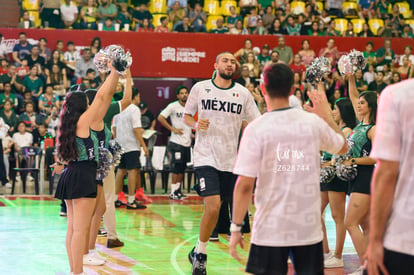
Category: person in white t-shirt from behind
[179,144]
[281,150]
[22,138]
[222,105]
[391,237]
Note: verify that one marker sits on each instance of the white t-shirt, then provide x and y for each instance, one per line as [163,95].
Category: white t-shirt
[294,102]
[175,111]
[410,58]
[125,123]
[281,149]
[68,13]
[394,141]
[23,140]
[225,109]
[68,56]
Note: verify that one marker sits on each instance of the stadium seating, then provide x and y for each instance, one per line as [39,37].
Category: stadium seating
[212,7]
[34,16]
[350,9]
[341,24]
[358,24]
[30,5]
[225,6]
[211,21]
[158,6]
[297,7]
[375,24]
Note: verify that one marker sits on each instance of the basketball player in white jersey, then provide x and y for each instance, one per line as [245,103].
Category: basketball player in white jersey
[179,144]
[281,149]
[222,105]
[391,239]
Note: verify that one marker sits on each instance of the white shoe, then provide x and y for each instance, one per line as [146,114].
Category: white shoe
[359,271]
[96,255]
[327,255]
[8,185]
[333,262]
[90,260]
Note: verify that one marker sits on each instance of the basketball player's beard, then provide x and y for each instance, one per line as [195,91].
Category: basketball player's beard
[225,76]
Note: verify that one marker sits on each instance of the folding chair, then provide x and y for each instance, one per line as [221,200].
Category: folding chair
[32,157]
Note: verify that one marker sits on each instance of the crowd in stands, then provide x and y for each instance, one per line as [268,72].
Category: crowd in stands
[383,18]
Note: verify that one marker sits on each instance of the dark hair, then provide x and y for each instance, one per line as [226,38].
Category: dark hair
[91,93]
[90,70]
[347,112]
[278,80]
[372,99]
[69,43]
[73,107]
[275,51]
[21,122]
[43,38]
[20,33]
[370,43]
[28,103]
[163,18]
[48,85]
[7,82]
[59,41]
[180,88]
[96,39]
[392,78]
[381,73]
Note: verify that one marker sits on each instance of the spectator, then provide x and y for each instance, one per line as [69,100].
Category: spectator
[11,77]
[292,27]
[361,84]
[25,18]
[387,30]
[285,52]
[297,82]
[106,10]
[87,16]
[148,120]
[314,29]
[366,32]
[245,77]
[387,73]
[182,3]
[22,70]
[274,57]
[71,56]
[246,6]
[3,48]
[397,20]
[145,27]
[233,17]
[184,26]
[30,118]
[84,64]
[22,138]
[33,83]
[176,14]
[4,66]
[163,27]
[396,77]
[140,14]
[191,3]
[53,121]
[369,54]
[8,114]
[238,28]
[50,13]
[242,53]
[276,28]
[69,13]
[330,30]
[382,8]
[45,52]
[27,97]
[21,49]
[264,56]
[407,52]
[366,9]
[324,19]
[108,25]
[369,76]
[7,95]
[334,7]
[252,19]
[253,65]
[407,32]
[298,67]
[47,101]
[58,80]
[385,55]
[268,16]
[35,59]
[198,19]
[123,17]
[96,46]
[55,60]
[378,85]
[349,32]
[220,28]
[260,28]
[330,52]
[406,70]
[90,77]
[39,135]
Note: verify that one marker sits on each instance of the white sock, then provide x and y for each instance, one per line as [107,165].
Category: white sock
[131,198]
[201,247]
[177,185]
[173,188]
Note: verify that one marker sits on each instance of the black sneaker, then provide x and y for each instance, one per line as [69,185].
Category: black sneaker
[191,255]
[102,232]
[119,203]
[199,264]
[180,194]
[214,237]
[175,196]
[135,205]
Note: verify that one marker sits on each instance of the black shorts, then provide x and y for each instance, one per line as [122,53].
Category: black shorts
[362,182]
[336,185]
[397,263]
[130,160]
[178,156]
[213,182]
[268,260]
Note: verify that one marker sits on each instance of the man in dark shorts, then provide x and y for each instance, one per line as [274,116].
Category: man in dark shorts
[285,160]
[179,145]
[222,105]
[129,134]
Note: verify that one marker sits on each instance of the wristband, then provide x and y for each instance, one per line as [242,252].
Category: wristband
[235,227]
